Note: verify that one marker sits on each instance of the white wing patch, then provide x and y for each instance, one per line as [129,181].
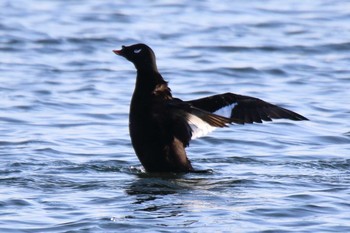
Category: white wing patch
[225,111]
[199,127]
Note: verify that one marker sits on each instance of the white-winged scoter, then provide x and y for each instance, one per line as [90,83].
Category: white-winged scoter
[161,126]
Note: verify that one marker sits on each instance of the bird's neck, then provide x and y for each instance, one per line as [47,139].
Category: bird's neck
[151,83]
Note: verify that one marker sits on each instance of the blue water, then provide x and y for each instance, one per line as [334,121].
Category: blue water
[66,162]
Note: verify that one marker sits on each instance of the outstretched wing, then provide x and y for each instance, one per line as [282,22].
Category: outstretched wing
[244,109]
[190,122]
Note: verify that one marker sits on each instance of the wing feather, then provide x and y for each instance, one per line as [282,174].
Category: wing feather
[244,109]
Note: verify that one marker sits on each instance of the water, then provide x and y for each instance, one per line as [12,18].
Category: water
[67,164]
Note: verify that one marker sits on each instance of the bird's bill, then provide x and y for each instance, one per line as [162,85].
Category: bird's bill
[118,52]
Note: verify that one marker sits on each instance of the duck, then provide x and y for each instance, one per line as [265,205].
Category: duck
[162,126]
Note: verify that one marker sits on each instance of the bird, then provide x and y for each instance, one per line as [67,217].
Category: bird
[162,126]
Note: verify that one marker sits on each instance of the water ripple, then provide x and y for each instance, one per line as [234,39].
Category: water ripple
[67,163]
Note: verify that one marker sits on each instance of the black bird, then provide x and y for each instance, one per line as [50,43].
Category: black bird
[161,126]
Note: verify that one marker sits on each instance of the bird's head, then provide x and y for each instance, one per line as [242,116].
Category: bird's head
[140,55]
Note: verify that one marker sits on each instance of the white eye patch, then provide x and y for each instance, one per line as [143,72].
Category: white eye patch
[137,50]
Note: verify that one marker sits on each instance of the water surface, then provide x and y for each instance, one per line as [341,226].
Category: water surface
[67,164]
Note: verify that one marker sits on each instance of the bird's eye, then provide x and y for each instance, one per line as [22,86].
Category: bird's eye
[137,50]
